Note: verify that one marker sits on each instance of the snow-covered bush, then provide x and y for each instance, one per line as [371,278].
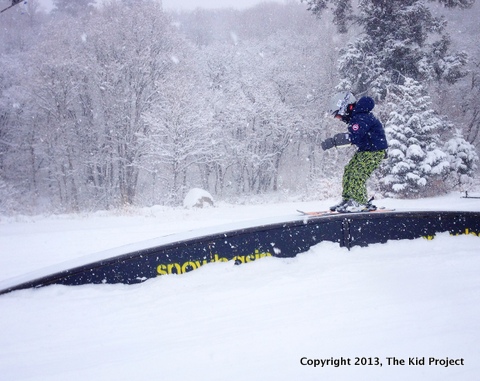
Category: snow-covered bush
[197,198]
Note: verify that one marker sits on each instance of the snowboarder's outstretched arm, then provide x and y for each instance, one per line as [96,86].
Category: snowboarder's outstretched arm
[341,139]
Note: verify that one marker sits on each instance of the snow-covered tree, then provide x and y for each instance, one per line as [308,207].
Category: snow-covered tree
[252,91]
[89,84]
[130,51]
[400,39]
[463,160]
[180,138]
[21,27]
[416,163]
[470,105]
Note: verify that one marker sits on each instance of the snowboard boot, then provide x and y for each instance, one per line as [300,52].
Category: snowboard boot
[339,205]
[352,206]
[370,206]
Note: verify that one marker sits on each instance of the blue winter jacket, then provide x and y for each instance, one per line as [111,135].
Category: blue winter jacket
[366,131]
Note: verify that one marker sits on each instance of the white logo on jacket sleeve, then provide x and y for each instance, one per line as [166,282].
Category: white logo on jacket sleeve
[355,127]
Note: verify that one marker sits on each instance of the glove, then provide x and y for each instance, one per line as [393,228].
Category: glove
[338,140]
[328,143]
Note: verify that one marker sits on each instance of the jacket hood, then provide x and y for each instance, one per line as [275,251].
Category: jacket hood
[364,104]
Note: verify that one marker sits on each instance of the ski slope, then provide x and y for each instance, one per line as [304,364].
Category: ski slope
[408,308]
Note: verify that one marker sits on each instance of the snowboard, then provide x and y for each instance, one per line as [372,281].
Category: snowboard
[330,212]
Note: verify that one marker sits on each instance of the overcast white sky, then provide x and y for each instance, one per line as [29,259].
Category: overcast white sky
[192,4]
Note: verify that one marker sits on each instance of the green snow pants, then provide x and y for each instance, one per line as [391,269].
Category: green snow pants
[357,172]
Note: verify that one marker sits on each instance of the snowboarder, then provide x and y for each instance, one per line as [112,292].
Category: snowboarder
[367,133]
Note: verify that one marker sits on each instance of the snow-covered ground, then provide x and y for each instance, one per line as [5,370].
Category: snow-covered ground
[406,300]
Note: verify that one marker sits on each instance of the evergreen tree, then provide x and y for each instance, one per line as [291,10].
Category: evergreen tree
[463,160]
[397,42]
[415,155]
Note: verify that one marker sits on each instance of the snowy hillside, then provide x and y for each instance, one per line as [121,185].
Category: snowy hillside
[408,300]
